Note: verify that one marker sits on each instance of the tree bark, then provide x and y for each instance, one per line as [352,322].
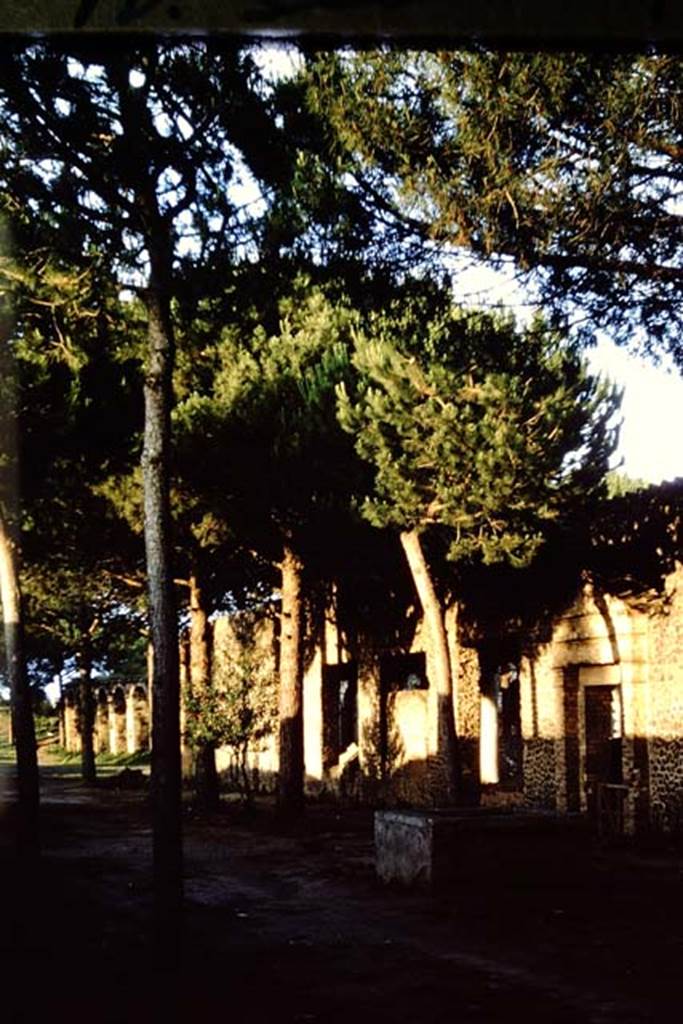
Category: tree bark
[23,728]
[446,775]
[205,776]
[87,716]
[166,773]
[291,759]
[138,135]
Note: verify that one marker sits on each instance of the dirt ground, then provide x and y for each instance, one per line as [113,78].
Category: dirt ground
[289,924]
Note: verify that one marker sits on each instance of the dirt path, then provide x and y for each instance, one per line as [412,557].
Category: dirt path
[291,926]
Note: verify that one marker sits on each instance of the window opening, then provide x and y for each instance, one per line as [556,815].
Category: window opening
[340,710]
[404,672]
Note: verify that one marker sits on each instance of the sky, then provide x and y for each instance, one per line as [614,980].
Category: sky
[651,436]
[651,440]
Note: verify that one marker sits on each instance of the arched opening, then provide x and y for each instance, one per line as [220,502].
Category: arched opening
[137,720]
[102,722]
[117,721]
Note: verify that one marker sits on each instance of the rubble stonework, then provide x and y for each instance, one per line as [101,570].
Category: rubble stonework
[607,650]
[664,710]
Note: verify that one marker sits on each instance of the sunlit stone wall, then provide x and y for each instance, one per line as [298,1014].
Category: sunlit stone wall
[633,648]
[467,710]
[262,758]
[121,721]
[664,714]
[637,649]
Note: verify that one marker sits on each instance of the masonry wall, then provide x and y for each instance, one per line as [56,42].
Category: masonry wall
[664,712]
[637,650]
[599,643]
[467,699]
[122,719]
[228,650]
[396,732]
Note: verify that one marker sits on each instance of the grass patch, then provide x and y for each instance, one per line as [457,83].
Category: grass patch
[60,756]
[137,760]
[6,752]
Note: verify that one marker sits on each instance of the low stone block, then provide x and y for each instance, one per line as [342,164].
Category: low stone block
[404,847]
[432,848]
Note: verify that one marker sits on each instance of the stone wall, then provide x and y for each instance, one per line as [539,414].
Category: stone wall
[664,713]
[597,642]
[408,747]
[635,650]
[122,719]
[232,637]
[5,726]
[467,698]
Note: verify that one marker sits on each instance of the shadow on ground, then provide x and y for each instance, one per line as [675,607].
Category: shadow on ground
[289,924]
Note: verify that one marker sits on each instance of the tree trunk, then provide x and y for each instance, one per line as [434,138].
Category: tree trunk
[291,759]
[243,755]
[205,775]
[166,774]
[138,131]
[23,728]
[87,716]
[446,775]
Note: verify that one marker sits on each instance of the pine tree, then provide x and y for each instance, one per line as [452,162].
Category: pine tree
[479,430]
[23,728]
[565,167]
[281,467]
[122,151]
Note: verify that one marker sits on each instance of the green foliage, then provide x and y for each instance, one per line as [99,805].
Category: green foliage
[239,710]
[105,760]
[619,484]
[46,726]
[567,165]
[476,426]
[76,419]
[274,459]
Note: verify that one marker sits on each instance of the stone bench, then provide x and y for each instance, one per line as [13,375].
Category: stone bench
[429,848]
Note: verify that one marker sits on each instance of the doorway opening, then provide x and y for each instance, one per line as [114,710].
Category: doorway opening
[340,710]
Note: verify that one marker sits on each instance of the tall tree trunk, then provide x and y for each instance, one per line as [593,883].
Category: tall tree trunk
[291,757]
[243,758]
[23,729]
[87,717]
[21,711]
[446,780]
[166,774]
[205,775]
[138,131]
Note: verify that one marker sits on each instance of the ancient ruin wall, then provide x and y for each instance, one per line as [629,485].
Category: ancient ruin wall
[229,649]
[467,698]
[665,709]
[599,641]
[542,723]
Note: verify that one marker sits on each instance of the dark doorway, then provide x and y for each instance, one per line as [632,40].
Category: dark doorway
[603,740]
[509,726]
[340,710]
[403,672]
